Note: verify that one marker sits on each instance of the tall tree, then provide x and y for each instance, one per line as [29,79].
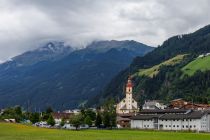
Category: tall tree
[88,121]
[98,121]
[76,120]
[34,117]
[51,121]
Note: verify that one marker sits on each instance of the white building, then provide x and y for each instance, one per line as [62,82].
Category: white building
[176,120]
[154,104]
[128,104]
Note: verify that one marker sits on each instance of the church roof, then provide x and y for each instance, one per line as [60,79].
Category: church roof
[124,107]
[133,107]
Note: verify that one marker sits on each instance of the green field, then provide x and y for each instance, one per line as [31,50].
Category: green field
[22,132]
[155,69]
[201,64]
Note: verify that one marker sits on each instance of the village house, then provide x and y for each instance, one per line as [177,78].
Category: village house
[172,119]
[182,104]
[123,120]
[74,111]
[58,116]
[177,103]
[153,104]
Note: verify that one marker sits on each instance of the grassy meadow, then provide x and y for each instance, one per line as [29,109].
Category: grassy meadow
[201,64]
[22,132]
[150,72]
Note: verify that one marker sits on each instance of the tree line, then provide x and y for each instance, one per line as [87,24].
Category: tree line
[104,117]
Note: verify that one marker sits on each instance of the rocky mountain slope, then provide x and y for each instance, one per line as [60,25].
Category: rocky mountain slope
[59,76]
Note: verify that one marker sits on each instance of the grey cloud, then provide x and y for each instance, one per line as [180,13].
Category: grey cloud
[24,24]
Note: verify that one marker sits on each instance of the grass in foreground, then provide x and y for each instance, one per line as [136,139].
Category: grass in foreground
[21,132]
[201,64]
[150,72]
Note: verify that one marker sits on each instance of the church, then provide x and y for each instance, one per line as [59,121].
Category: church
[128,104]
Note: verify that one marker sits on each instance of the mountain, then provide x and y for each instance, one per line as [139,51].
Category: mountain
[49,52]
[161,74]
[59,76]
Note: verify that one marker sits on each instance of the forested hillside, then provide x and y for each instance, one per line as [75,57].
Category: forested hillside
[154,78]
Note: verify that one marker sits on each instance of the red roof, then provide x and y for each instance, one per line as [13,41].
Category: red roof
[129,83]
[61,115]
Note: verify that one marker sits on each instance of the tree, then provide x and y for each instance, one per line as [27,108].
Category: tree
[76,120]
[88,121]
[49,110]
[34,117]
[98,121]
[106,119]
[51,121]
[45,116]
[18,110]
[91,114]
[62,122]
[109,115]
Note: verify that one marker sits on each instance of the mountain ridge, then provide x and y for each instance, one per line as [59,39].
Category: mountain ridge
[65,82]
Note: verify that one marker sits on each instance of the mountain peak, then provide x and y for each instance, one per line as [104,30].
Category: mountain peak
[106,45]
[54,46]
[50,51]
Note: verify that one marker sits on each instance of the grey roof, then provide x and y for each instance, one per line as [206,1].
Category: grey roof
[153,102]
[144,117]
[162,111]
[122,119]
[187,115]
[191,115]
[125,108]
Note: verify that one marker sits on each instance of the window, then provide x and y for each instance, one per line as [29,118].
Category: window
[173,125]
[144,125]
[166,126]
[177,126]
[169,125]
[190,126]
[186,126]
[147,125]
[182,126]
[194,126]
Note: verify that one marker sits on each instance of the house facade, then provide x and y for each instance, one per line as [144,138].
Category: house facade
[153,104]
[175,120]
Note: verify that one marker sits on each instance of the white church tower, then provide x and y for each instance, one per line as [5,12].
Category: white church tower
[128,104]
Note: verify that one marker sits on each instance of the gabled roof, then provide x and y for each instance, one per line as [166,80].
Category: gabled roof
[61,115]
[123,108]
[133,107]
[145,117]
[187,115]
[162,111]
[191,115]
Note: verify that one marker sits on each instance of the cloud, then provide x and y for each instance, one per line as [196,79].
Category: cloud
[24,24]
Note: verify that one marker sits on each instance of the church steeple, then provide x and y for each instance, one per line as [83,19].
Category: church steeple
[129,86]
[128,104]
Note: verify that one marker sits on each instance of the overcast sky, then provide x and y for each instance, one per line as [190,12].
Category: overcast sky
[24,24]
